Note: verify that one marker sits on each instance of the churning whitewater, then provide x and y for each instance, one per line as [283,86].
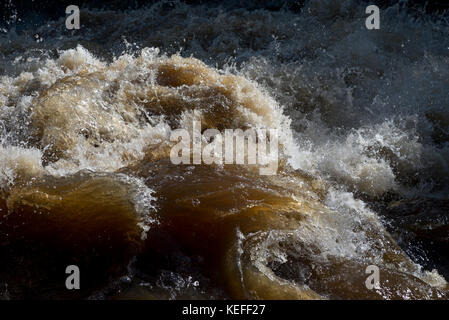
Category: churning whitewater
[86,177]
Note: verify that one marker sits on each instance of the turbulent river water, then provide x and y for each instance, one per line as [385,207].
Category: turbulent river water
[363,121]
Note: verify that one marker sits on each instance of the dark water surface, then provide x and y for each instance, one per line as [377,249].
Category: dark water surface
[86,179]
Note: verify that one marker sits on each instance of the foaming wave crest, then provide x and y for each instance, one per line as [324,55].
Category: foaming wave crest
[86,176]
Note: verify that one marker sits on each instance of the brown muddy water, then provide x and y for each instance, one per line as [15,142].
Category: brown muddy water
[86,177]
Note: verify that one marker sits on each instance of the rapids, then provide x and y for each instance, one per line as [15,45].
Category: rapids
[86,177]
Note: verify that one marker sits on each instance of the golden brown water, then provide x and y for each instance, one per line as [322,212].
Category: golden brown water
[244,235]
